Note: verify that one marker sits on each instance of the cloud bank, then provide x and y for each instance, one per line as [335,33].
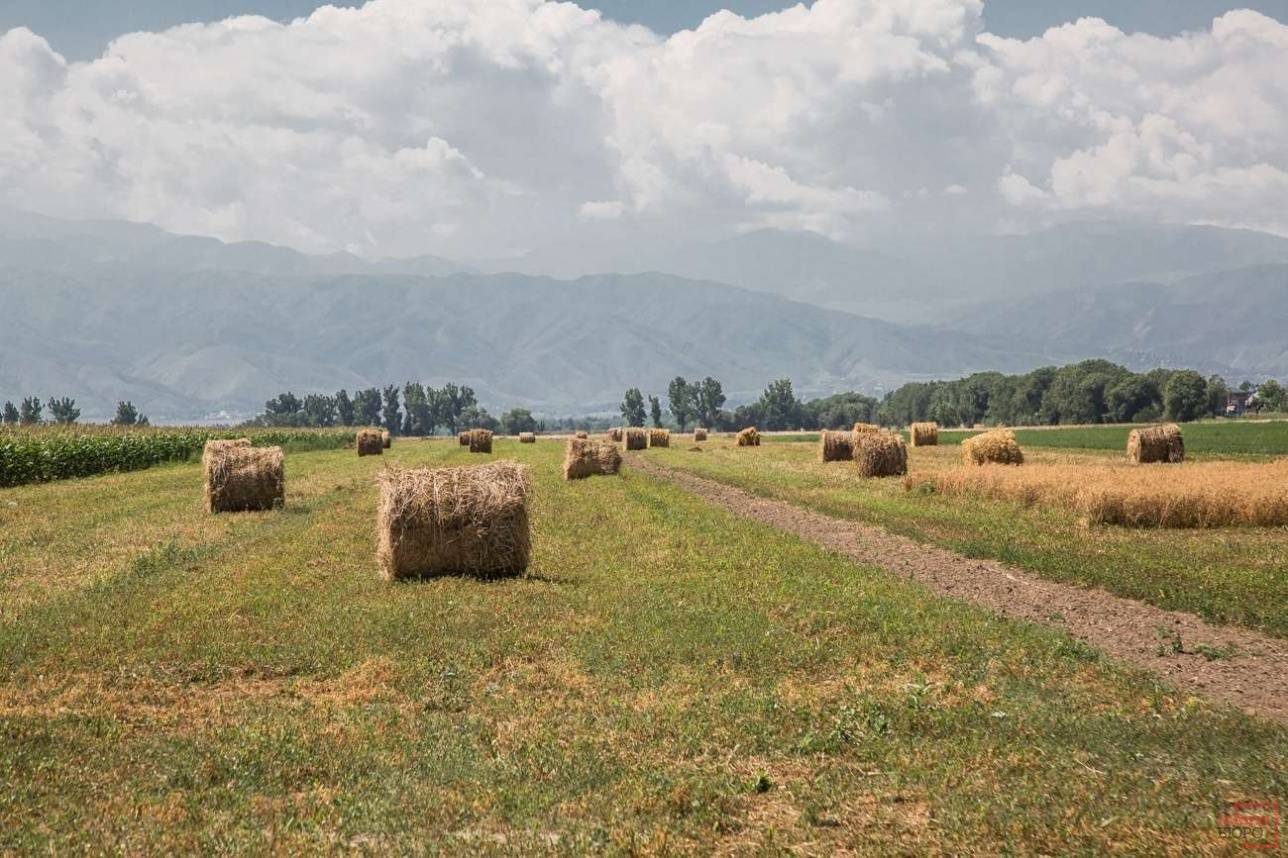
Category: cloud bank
[486,128]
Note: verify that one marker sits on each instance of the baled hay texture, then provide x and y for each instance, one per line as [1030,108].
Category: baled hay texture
[243,478]
[1196,495]
[636,438]
[370,442]
[386,439]
[615,434]
[924,434]
[463,438]
[212,447]
[1156,444]
[748,437]
[863,428]
[527,438]
[997,447]
[584,458]
[480,440]
[582,434]
[880,454]
[836,446]
[659,437]
[699,434]
[444,521]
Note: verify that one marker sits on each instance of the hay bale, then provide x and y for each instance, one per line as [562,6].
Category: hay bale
[865,428]
[615,434]
[836,446]
[880,454]
[659,437]
[584,458]
[527,438]
[240,477]
[480,440]
[443,521]
[220,444]
[386,439]
[997,447]
[924,434]
[370,442]
[582,434]
[748,437]
[699,434]
[636,438]
[463,438]
[1156,444]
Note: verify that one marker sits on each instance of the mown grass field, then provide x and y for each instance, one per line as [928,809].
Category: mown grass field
[1228,575]
[666,679]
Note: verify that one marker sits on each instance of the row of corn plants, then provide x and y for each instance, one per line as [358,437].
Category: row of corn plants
[47,453]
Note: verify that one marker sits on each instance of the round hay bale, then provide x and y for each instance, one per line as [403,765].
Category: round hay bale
[836,446]
[212,447]
[480,440]
[880,454]
[585,458]
[636,438]
[370,442]
[386,439]
[924,434]
[997,447]
[615,434]
[527,438]
[463,438]
[748,437]
[1156,444]
[659,437]
[239,478]
[699,434]
[862,428]
[444,521]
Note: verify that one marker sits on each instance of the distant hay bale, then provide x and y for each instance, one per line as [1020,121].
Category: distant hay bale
[748,437]
[239,478]
[1156,444]
[527,438]
[386,439]
[997,447]
[615,434]
[880,454]
[370,442]
[836,446]
[584,458]
[480,440]
[463,438]
[636,438]
[582,434]
[699,434]
[443,521]
[659,437]
[924,434]
[862,428]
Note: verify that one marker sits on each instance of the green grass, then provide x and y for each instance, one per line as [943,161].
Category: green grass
[1237,576]
[667,678]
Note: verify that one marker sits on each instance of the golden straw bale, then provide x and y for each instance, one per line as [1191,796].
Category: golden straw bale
[997,447]
[442,521]
[880,454]
[615,434]
[370,442]
[636,438]
[924,434]
[527,438]
[836,446]
[220,444]
[1156,444]
[862,428]
[659,437]
[584,458]
[748,437]
[463,438]
[241,478]
[699,434]
[480,440]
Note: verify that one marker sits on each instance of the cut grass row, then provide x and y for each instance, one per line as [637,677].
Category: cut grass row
[668,677]
[1236,575]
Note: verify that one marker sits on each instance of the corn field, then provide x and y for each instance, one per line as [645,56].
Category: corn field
[47,453]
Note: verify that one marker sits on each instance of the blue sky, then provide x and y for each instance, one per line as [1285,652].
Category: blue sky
[81,28]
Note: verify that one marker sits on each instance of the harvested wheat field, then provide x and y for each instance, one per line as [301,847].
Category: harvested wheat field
[369,442]
[480,441]
[996,447]
[636,438]
[585,458]
[835,446]
[659,437]
[242,478]
[748,437]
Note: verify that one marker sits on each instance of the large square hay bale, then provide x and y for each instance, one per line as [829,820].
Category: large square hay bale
[444,521]
[880,454]
[386,439]
[463,438]
[659,437]
[699,434]
[527,438]
[924,434]
[636,438]
[1156,444]
[480,440]
[370,442]
[836,446]
[748,437]
[242,478]
[997,447]
[615,434]
[585,458]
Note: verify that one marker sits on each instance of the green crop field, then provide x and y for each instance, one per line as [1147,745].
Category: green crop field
[667,678]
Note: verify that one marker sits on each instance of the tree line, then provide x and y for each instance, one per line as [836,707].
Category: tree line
[31,411]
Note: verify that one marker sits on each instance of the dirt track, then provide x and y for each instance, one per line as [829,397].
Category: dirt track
[1254,676]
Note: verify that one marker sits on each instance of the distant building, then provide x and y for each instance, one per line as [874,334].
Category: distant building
[1236,403]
